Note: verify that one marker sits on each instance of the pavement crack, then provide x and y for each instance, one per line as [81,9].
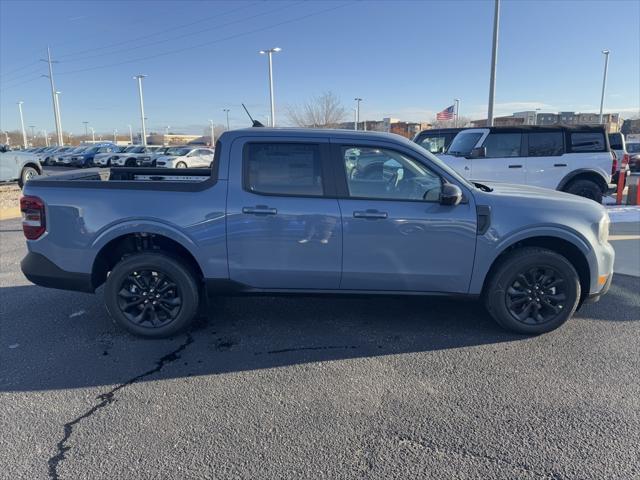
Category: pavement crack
[299,349]
[104,400]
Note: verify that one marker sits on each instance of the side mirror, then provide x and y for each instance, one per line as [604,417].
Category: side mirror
[450,195]
[478,152]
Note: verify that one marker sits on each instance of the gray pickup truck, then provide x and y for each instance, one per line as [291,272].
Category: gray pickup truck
[313,211]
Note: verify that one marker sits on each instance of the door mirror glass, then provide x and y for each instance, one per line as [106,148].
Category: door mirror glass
[450,194]
[478,152]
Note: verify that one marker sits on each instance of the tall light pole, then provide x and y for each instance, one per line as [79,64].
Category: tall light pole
[270,53]
[57,93]
[86,133]
[56,113]
[604,81]
[46,138]
[166,130]
[358,100]
[494,62]
[213,140]
[130,134]
[33,134]
[93,134]
[115,135]
[142,117]
[24,132]
[226,110]
[456,101]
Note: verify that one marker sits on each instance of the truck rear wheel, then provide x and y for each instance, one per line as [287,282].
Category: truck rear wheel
[532,291]
[152,295]
[585,188]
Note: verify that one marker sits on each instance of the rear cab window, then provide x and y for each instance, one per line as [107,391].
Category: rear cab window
[292,169]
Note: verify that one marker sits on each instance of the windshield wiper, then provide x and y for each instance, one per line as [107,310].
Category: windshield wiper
[483,187]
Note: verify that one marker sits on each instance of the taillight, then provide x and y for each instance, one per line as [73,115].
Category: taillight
[614,165]
[34,223]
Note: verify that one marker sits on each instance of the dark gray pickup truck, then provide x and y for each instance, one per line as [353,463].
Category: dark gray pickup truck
[320,211]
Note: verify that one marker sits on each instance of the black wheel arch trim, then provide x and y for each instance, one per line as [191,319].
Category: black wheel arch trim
[582,171]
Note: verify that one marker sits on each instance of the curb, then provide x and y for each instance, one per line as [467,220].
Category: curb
[12,212]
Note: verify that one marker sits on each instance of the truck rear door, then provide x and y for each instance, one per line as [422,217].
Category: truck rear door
[283,230]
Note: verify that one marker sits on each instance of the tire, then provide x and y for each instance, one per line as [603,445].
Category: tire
[131,162]
[585,188]
[181,165]
[133,280]
[27,174]
[506,294]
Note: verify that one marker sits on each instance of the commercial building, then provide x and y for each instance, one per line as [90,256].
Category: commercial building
[611,121]
[171,139]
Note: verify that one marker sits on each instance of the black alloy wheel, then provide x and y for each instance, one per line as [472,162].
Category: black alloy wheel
[536,296]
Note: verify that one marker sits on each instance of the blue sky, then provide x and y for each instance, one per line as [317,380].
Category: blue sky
[406,59]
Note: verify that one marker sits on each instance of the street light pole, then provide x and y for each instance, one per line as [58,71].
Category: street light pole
[144,129]
[494,61]
[86,133]
[24,132]
[270,53]
[130,134]
[115,135]
[93,134]
[213,140]
[457,104]
[604,81]
[226,110]
[358,100]
[59,117]
[33,134]
[46,138]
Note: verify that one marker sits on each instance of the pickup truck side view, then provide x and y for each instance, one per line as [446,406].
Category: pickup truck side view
[313,211]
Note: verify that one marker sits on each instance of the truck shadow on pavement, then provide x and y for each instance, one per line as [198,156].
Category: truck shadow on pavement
[58,340]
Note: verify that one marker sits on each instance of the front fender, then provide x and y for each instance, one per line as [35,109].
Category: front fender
[489,248]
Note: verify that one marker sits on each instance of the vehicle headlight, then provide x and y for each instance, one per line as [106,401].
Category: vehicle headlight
[603,229]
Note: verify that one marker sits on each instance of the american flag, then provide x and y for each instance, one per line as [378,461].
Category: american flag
[446,114]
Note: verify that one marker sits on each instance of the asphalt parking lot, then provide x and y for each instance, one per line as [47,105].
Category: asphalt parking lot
[314,388]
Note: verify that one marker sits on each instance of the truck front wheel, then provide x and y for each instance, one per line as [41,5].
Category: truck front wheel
[151,295]
[532,291]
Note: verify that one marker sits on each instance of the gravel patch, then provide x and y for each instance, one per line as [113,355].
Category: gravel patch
[10,196]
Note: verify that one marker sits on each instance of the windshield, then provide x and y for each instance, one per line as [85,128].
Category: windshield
[137,149]
[78,150]
[633,147]
[464,143]
[178,152]
[443,165]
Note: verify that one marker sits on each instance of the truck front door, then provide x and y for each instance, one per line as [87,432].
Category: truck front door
[283,232]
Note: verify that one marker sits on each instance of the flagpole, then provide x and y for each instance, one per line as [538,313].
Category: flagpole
[457,104]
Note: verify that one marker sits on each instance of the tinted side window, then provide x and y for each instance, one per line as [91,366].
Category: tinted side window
[283,168]
[587,142]
[545,144]
[500,145]
[615,141]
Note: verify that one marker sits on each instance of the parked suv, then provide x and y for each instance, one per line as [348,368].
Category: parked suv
[18,165]
[576,160]
[84,158]
[634,156]
[436,140]
[301,211]
[129,158]
[186,157]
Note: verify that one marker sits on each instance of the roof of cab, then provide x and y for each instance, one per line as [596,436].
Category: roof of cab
[314,132]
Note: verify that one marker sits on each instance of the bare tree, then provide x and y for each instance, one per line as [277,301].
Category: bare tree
[324,111]
[462,122]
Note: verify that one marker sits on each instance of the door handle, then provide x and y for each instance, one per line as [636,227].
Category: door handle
[259,210]
[559,164]
[372,214]
[515,166]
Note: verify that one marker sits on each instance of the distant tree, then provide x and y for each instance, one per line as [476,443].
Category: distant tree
[462,122]
[324,111]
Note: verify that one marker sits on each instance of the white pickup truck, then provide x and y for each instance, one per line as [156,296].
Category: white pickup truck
[576,160]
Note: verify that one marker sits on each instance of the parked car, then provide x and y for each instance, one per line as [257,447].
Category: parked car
[150,159]
[576,160]
[620,157]
[185,157]
[64,159]
[84,158]
[18,165]
[49,157]
[130,157]
[633,150]
[436,140]
[278,213]
[102,159]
